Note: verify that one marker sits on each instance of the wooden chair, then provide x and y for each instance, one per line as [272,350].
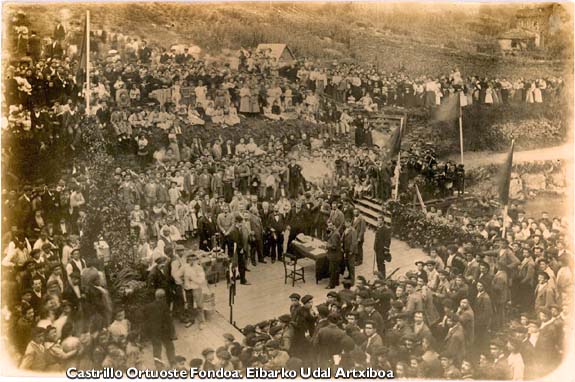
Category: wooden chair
[291,270]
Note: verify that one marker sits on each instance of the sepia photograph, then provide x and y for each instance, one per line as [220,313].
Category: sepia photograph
[287,190]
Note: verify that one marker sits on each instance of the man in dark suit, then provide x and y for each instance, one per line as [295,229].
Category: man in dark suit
[350,249]
[296,221]
[276,226]
[303,323]
[59,32]
[483,310]
[336,217]
[159,328]
[54,50]
[145,53]
[382,244]
[228,149]
[238,250]
[327,341]
[35,46]
[374,341]
[206,230]
[334,256]
[454,344]
[294,178]
[359,225]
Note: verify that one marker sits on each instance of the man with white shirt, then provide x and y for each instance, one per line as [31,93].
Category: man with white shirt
[43,239]
[76,264]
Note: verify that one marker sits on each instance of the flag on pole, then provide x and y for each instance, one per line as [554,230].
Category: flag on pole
[506,177]
[449,110]
[82,69]
[394,143]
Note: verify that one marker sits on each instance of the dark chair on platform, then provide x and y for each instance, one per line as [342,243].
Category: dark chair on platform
[291,270]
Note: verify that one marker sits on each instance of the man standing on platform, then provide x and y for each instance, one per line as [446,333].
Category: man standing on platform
[350,249]
[359,225]
[336,217]
[333,255]
[238,251]
[381,244]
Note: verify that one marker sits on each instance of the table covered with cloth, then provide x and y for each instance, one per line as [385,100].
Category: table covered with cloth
[315,249]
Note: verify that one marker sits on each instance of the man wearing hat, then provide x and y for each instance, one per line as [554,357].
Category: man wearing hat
[34,357]
[334,255]
[295,304]
[370,314]
[304,323]
[545,294]
[414,298]
[381,244]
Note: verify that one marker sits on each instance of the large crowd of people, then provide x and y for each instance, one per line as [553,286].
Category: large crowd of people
[466,312]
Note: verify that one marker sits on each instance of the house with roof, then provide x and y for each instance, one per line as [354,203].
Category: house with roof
[281,52]
[517,39]
[533,25]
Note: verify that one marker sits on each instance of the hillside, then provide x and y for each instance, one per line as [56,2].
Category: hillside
[422,40]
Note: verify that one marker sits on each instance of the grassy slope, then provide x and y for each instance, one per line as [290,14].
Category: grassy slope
[423,38]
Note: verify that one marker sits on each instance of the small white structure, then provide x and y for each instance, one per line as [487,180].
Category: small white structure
[281,52]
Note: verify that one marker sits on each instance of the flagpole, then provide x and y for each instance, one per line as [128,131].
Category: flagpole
[420,199]
[505,210]
[397,170]
[398,165]
[461,133]
[506,206]
[87,94]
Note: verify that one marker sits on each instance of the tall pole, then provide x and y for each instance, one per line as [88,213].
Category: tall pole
[398,165]
[461,134]
[87,94]
[396,175]
[505,211]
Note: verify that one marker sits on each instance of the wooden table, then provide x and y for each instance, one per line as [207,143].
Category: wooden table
[315,250]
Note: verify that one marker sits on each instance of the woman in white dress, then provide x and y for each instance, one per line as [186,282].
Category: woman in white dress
[537,96]
[530,96]
[218,116]
[176,93]
[231,117]
[201,92]
[245,95]
[489,95]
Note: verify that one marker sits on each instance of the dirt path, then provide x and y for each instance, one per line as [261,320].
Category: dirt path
[474,159]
